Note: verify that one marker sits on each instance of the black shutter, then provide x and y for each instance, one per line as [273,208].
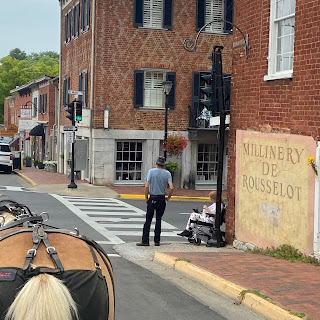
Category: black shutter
[80,86]
[171,76]
[88,13]
[138,13]
[68,88]
[64,91]
[195,94]
[45,103]
[82,14]
[66,28]
[227,90]
[228,15]
[138,88]
[201,14]
[167,14]
[86,89]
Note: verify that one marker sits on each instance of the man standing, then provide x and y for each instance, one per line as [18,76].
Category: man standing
[156,183]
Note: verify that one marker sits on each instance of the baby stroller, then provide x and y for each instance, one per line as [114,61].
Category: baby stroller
[204,231]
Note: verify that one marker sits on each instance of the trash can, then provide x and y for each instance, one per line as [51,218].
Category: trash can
[17,160]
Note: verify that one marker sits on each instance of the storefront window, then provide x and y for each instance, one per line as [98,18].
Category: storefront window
[128,161]
[207,162]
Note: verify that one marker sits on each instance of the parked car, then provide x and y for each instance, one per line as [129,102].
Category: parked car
[5,158]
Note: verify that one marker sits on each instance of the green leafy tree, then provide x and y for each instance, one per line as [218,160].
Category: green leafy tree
[18,54]
[15,71]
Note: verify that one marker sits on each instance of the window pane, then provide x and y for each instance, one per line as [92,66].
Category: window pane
[214,12]
[130,166]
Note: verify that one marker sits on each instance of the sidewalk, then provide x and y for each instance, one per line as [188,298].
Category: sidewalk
[45,181]
[290,286]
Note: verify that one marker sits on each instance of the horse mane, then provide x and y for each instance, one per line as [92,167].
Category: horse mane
[48,292]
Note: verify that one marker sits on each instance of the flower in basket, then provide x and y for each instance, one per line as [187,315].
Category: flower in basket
[312,163]
[175,145]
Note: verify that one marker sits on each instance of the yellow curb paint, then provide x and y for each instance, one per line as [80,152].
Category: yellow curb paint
[226,288]
[266,308]
[26,178]
[175,198]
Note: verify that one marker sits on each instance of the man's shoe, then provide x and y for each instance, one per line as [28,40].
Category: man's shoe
[142,244]
[157,244]
[185,233]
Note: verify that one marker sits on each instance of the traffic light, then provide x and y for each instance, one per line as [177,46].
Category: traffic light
[70,109]
[79,110]
[206,90]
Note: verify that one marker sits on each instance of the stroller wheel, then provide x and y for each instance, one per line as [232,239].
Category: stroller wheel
[190,240]
[197,242]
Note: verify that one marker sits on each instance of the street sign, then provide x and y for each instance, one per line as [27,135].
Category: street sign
[70,128]
[78,93]
[69,137]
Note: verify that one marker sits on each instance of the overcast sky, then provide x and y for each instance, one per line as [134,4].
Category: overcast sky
[30,25]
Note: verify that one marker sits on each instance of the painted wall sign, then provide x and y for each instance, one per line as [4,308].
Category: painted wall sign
[275,189]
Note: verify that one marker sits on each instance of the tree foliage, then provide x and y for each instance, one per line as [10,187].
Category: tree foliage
[19,68]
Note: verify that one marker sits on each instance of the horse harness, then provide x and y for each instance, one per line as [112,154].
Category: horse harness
[89,293]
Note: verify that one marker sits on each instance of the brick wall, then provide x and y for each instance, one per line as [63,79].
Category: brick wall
[121,48]
[291,105]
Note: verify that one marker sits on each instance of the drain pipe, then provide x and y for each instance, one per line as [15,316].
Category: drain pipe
[90,155]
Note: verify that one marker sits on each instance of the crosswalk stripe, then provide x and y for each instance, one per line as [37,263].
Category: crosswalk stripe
[112,218]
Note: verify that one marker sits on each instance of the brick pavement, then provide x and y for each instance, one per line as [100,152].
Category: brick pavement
[291,286]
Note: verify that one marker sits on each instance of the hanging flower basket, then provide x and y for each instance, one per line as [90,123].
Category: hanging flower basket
[176,143]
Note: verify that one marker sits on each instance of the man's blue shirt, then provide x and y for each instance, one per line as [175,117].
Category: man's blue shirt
[158,179]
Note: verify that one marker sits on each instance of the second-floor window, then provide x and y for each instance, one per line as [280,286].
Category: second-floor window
[153,14]
[67,27]
[43,103]
[66,87]
[83,86]
[148,89]
[281,39]
[35,106]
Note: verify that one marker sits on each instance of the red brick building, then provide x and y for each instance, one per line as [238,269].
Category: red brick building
[274,128]
[32,109]
[118,54]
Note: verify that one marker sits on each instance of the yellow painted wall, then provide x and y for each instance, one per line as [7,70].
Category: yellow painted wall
[274,190]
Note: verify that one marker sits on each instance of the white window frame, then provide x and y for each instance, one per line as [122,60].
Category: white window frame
[214,12]
[153,95]
[273,74]
[153,14]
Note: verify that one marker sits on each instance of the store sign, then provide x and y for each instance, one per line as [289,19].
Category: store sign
[275,188]
[26,125]
[25,113]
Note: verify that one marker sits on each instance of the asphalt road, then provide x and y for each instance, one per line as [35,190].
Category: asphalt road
[143,288]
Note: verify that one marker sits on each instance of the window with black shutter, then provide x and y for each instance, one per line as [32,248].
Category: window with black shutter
[83,86]
[75,20]
[85,15]
[213,11]
[157,14]
[148,89]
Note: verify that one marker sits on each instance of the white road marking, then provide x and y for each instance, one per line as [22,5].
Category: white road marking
[112,218]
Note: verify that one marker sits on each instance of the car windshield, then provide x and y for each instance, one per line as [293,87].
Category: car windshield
[4,148]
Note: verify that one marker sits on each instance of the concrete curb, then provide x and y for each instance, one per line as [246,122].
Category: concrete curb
[173,198]
[25,178]
[226,288]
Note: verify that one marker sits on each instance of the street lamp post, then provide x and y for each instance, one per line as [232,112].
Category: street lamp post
[167,85]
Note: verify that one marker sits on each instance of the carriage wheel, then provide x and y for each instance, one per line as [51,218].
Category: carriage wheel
[197,242]
[190,240]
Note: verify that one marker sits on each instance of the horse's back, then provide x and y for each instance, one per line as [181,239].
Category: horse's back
[75,255]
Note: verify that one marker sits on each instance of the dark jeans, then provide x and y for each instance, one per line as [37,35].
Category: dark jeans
[157,204]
